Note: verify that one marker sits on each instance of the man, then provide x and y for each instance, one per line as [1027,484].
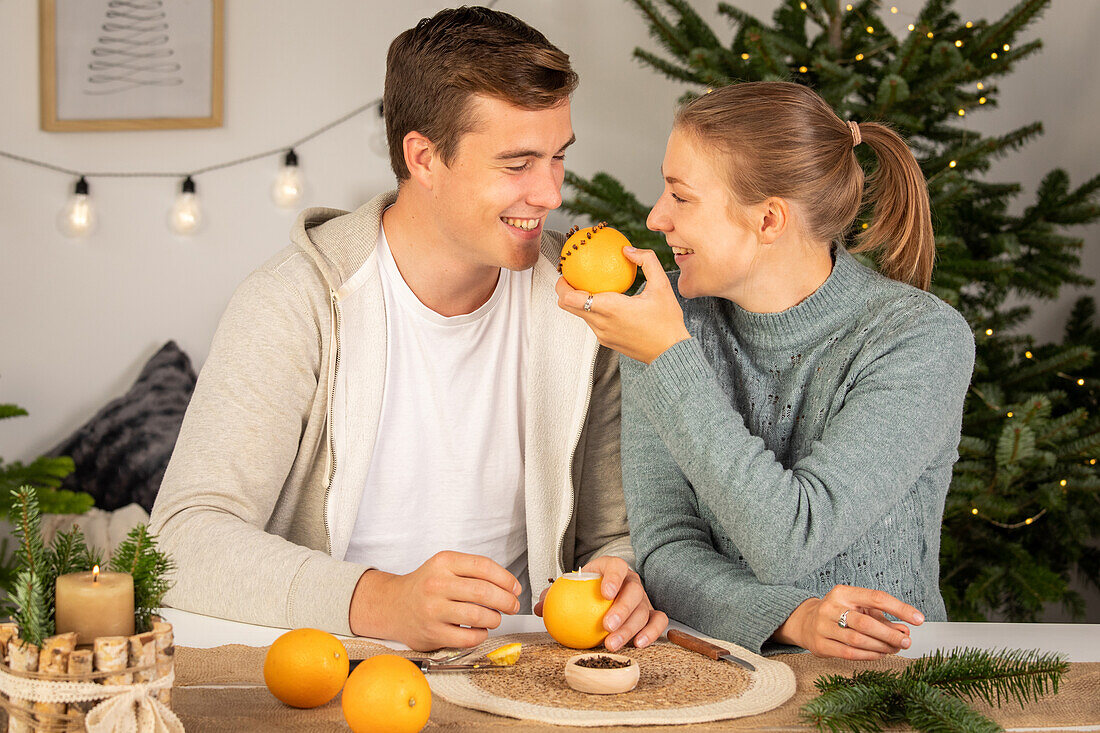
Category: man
[397,433]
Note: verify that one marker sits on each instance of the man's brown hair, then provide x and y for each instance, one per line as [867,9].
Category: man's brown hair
[433,69]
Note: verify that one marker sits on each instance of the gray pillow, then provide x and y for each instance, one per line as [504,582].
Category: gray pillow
[121,453]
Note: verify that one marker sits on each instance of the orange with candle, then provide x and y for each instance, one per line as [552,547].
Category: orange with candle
[574,608]
[95,604]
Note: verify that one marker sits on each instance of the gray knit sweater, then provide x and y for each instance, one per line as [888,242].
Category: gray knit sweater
[773,456]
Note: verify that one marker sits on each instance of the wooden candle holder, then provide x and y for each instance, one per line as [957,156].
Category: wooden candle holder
[109,661]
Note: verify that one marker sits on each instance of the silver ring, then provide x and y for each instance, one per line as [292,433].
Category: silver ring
[588,304]
[842,622]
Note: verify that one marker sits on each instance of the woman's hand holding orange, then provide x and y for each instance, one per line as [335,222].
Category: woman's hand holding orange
[865,633]
[643,326]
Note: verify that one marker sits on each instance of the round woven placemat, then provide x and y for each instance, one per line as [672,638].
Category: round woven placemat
[676,686]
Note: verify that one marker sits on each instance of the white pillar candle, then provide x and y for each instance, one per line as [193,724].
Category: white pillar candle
[95,604]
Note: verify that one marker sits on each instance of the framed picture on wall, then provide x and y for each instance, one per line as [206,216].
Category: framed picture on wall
[130,64]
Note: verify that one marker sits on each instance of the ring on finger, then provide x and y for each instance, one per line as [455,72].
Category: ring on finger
[588,304]
[842,622]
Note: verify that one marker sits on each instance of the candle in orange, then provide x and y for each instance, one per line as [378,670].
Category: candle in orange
[95,604]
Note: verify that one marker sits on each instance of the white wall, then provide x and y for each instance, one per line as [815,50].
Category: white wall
[81,316]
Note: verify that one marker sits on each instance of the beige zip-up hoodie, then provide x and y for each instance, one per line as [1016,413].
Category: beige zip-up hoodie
[260,498]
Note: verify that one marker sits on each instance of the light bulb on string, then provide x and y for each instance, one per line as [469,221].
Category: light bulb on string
[185,216]
[288,186]
[77,218]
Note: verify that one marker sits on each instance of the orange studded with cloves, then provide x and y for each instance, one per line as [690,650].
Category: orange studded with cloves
[592,260]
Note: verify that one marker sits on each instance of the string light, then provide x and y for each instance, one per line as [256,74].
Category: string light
[1062,482]
[69,212]
[859,57]
[802,5]
[185,216]
[962,112]
[969,24]
[912,27]
[980,86]
[894,9]
[993,55]
[77,218]
[848,7]
[952,164]
[1010,413]
[802,69]
[870,29]
[1005,47]
[931,34]
[958,44]
[1027,354]
[1092,461]
[989,332]
[1080,383]
[1026,522]
[745,56]
[288,186]
[981,100]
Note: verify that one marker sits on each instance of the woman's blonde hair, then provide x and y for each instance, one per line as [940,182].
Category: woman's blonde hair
[782,139]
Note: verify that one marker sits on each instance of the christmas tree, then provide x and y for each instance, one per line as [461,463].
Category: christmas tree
[1023,506]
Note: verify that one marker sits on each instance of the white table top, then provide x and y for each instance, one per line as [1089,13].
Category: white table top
[1079,642]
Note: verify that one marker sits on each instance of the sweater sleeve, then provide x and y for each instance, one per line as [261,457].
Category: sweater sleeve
[238,443]
[601,523]
[683,573]
[898,413]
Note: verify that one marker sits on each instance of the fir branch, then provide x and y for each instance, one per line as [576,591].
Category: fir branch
[1017,674]
[856,707]
[32,608]
[934,711]
[928,694]
[138,555]
[67,554]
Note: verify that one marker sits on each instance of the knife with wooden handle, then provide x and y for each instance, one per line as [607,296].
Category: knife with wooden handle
[715,652]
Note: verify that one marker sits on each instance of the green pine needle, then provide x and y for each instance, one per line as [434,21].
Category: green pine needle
[930,693]
[33,605]
[931,710]
[856,707]
[992,676]
[150,568]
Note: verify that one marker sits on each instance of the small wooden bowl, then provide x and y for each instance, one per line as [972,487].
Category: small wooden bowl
[601,681]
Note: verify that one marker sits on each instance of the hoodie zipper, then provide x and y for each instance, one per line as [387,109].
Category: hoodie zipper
[572,455]
[331,411]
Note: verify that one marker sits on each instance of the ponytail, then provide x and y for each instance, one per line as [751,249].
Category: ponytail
[901,221]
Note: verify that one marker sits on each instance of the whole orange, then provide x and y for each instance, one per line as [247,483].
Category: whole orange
[592,259]
[386,694]
[306,667]
[573,610]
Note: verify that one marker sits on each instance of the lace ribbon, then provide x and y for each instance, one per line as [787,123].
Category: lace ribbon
[130,708]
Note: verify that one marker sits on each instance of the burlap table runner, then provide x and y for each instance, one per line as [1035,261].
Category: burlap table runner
[248,706]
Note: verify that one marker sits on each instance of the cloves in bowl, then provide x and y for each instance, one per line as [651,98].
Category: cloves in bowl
[602,673]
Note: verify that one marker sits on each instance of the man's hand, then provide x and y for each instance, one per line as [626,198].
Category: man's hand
[431,607]
[631,616]
[867,633]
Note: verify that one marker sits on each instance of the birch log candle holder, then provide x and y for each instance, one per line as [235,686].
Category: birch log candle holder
[94,687]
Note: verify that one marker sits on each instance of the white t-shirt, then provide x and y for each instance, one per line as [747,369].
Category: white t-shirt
[447,467]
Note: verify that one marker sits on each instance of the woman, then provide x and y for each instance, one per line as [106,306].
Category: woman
[790,416]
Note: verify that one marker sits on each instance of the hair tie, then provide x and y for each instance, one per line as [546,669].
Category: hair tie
[856,137]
